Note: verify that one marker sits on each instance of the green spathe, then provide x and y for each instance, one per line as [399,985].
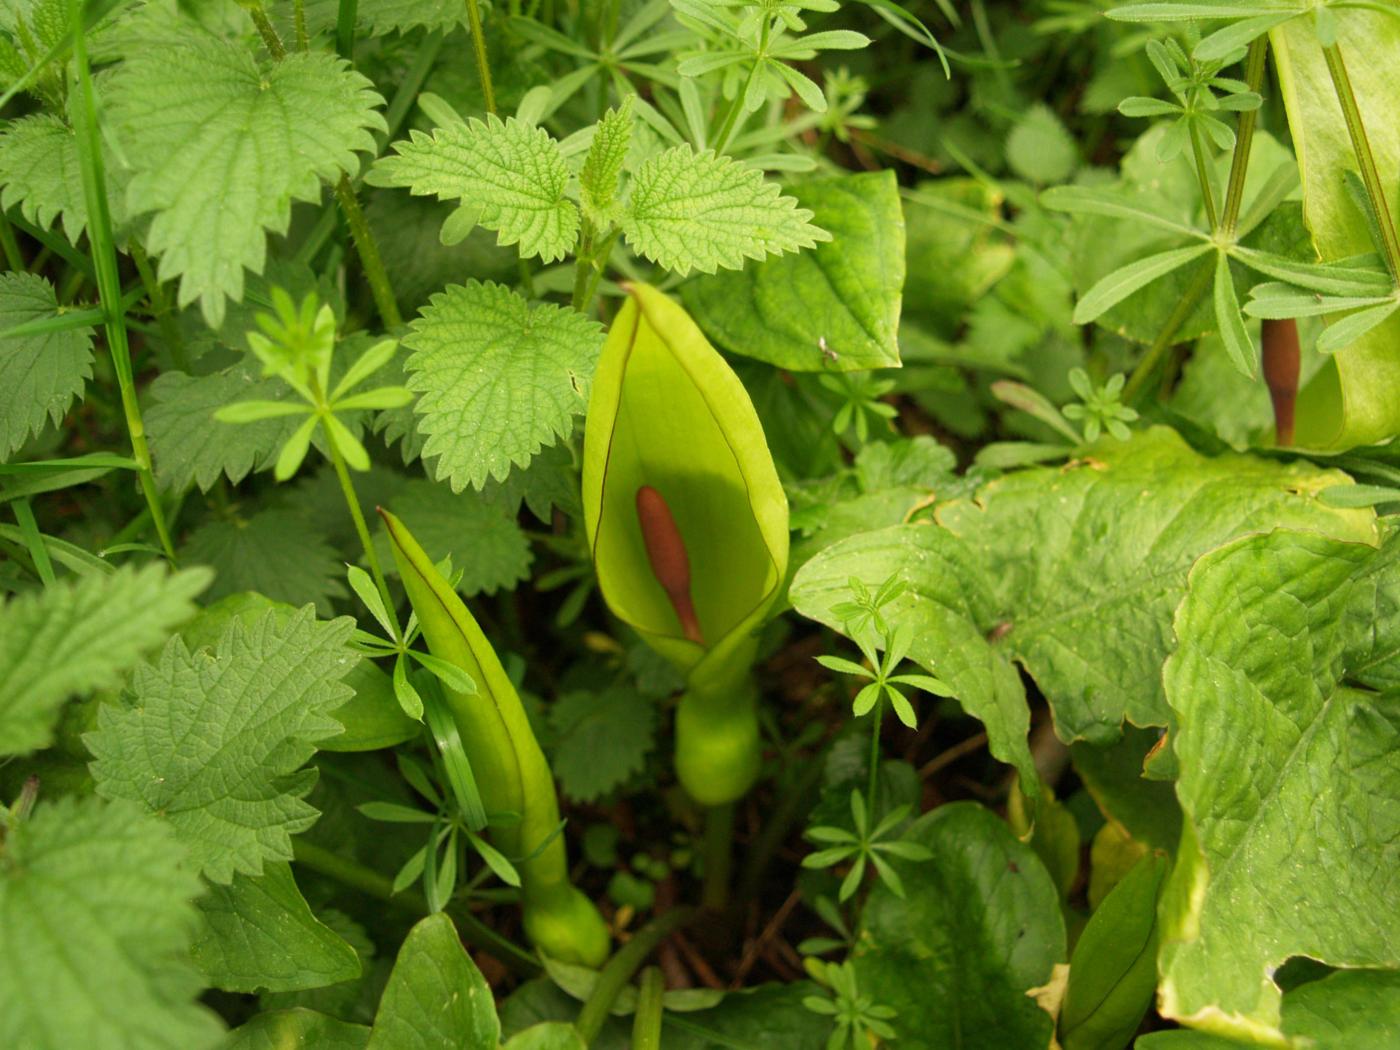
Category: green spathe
[510,769]
[667,412]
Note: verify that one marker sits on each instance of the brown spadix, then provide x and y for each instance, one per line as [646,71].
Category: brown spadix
[669,561]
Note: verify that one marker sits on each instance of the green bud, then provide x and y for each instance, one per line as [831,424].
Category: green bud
[688,526]
[510,770]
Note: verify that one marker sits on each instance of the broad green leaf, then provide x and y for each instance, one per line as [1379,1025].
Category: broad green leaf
[511,174]
[272,553]
[1113,971]
[497,379]
[1286,765]
[40,375]
[949,603]
[549,1035]
[700,211]
[979,929]
[371,719]
[955,253]
[483,538]
[1113,775]
[1039,149]
[835,308]
[191,448]
[39,173]
[1087,563]
[297,1028]
[1355,398]
[436,998]
[82,634]
[95,925]
[259,934]
[221,147]
[601,739]
[247,716]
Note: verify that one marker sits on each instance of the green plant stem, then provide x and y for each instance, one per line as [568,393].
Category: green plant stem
[14,258]
[368,250]
[265,29]
[1198,150]
[299,20]
[483,64]
[876,716]
[620,968]
[646,1025]
[109,288]
[1370,175]
[160,306]
[345,29]
[590,262]
[1244,137]
[731,119]
[352,501]
[1187,303]
[719,856]
[373,884]
[29,529]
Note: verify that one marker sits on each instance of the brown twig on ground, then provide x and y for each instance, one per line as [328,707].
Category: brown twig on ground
[696,961]
[756,947]
[950,755]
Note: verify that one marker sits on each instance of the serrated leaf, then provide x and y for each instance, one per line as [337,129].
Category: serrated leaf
[272,553]
[603,165]
[481,537]
[40,173]
[190,447]
[835,308]
[512,171]
[700,211]
[436,998]
[40,375]
[259,934]
[215,740]
[497,378]
[221,147]
[95,926]
[602,739]
[79,635]
[1287,775]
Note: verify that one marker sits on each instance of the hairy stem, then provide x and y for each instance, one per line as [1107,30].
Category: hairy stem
[265,29]
[368,250]
[345,29]
[299,20]
[876,716]
[1370,175]
[1244,136]
[109,287]
[356,876]
[736,108]
[483,64]
[620,968]
[1198,150]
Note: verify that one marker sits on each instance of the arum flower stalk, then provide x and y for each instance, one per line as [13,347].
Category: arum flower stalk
[688,527]
[511,772]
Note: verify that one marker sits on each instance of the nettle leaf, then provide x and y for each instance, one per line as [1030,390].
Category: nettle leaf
[95,926]
[1040,149]
[272,553]
[381,17]
[1287,774]
[222,147]
[497,378]
[979,927]
[603,166]
[835,308]
[190,447]
[78,635]
[700,211]
[259,935]
[511,174]
[215,741]
[40,375]
[40,173]
[481,536]
[436,997]
[602,740]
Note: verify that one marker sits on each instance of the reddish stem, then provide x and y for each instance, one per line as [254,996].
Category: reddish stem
[1281,374]
[669,561]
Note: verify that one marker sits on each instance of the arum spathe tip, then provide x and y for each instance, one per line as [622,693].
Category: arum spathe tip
[687,523]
